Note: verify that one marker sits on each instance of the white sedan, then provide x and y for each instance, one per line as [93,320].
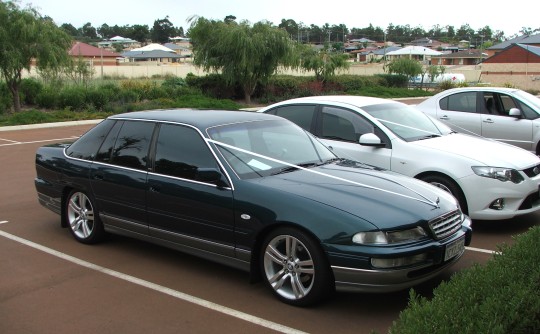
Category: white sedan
[508,115]
[491,180]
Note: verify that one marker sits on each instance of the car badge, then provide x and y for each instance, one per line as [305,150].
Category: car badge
[437,201]
[536,170]
[245,216]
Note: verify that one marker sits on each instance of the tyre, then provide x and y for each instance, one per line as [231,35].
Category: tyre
[294,266]
[447,185]
[83,219]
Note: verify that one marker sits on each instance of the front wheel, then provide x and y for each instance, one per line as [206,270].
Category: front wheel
[448,185]
[83,219]
[295,267]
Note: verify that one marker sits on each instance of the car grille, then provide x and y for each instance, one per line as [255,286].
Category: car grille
[533,171]
[446,224]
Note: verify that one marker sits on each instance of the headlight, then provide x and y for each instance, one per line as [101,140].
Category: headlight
[391,237]
[499,173]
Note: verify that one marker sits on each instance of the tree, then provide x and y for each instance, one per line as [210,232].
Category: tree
[324,63]
[26,36]
[244,54]
[162,30]
[405,66]
[89,31]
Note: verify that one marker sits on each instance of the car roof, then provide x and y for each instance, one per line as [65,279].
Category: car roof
[480,89]
[359,101]
[201,119]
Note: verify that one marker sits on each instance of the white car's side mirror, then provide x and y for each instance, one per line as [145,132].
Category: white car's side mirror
[370,139]
[514,112]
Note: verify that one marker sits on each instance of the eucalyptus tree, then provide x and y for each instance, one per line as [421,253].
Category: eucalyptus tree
[243,53]
[25,36]
[405,66]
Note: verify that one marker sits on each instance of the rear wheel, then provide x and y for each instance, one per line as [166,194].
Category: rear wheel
[447,185]
[295,267]
[83,219]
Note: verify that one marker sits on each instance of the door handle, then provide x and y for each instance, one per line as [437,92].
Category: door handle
[488,120]
[98,177]
[154,189]
[445,118]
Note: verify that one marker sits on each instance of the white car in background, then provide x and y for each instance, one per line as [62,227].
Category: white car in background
[508,115]
[491,180]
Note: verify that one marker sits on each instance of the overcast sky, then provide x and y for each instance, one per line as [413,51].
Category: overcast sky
[509,17]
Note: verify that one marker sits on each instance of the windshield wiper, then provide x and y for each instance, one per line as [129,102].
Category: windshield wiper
[429,136]
[293,168]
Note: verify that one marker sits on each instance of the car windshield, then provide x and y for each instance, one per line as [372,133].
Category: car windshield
[407,122]
[262,148]
[530,99]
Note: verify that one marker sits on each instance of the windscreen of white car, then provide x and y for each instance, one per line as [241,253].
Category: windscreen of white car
[406,122]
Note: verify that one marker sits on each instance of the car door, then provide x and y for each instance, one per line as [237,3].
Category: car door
[183,208]
[118,175]
[340,129]
[460,112]
[499,125]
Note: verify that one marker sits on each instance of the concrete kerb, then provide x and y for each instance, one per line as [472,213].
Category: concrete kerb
[48,125]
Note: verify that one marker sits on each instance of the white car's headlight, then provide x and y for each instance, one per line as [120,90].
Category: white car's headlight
[389,237]
[499,173]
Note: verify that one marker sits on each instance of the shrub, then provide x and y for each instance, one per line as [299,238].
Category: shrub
[502,296]
[6,100]
[48,98]
[73,98]
[30,89]
[212,85]
[98,97]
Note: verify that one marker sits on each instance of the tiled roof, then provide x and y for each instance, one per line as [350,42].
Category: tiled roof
[524,39]
[86,50]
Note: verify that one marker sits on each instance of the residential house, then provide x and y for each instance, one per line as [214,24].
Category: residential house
[93,55]
[533,40]
[464,57]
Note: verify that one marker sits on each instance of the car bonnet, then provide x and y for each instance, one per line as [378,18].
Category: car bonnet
[483,151]
[383,198]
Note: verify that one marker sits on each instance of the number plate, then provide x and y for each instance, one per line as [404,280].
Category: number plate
[454,248]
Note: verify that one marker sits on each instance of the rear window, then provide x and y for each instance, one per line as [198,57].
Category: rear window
[87,146]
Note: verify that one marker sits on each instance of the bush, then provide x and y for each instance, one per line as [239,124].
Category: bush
[502,296]
[48,98]
[6,100]
[30,89]
[212,85]
[73,98]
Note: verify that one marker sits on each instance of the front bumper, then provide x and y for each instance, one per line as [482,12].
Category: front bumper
[369,279]
[519,199]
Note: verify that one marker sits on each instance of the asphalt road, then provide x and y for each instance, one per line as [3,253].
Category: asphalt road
[49,283]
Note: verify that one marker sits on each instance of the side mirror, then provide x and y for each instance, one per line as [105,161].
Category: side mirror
[514,112]
[371,139]
[211,175]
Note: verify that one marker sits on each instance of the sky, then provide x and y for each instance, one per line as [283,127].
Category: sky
[509,18]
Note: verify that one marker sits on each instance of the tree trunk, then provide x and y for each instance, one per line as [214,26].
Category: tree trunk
[14,89]
[247,97]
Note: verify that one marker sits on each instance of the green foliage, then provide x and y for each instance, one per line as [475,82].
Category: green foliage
[323,63]
[30,89]
[48,98]
[213,85]
[6,102]
[502,296]
[26,36]
[73,98]
[405,66]
[394,80]
[243,54]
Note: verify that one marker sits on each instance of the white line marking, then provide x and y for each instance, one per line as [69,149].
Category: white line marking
[177,294]
[482,250]
[11,141]
[38,141]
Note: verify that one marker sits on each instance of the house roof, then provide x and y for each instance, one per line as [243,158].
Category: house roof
[524,39]
[463,54]
[414,50]
[87,50]
[173,46]
[530,48]
[150,54]
[153,47]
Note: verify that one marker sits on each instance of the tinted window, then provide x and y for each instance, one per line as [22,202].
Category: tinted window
[343,124]
[131,146]
[181,151]
[105,151]
[302,115]
[465,102]
[87,146]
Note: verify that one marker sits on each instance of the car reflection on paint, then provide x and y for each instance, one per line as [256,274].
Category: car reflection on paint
[255,192]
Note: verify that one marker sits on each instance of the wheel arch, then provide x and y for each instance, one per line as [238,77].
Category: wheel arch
[423,175]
